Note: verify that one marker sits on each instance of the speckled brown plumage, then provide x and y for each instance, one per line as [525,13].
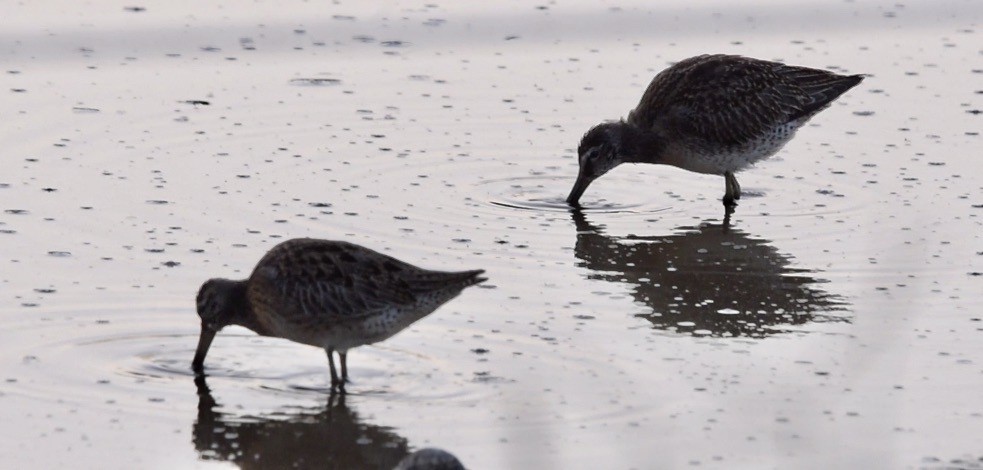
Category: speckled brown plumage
[330,294]
[713,114]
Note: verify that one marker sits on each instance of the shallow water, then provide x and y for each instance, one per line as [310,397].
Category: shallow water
[835,321]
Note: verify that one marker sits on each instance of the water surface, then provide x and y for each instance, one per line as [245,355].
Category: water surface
[832,321]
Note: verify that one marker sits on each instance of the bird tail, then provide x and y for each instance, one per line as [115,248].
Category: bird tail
[432,281]
[830,87]
[466,278]
[821,87]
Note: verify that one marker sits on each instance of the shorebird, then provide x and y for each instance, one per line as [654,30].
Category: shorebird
[330,294]
[711,114]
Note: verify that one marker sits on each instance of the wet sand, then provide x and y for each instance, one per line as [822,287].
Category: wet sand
[835,322]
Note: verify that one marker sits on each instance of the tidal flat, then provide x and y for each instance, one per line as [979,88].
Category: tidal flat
[835,321]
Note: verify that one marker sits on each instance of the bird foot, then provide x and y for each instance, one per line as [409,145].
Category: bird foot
[339,386]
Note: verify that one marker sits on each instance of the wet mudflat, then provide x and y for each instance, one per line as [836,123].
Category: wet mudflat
[835,321]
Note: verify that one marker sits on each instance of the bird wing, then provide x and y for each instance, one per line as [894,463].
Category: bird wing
[320,281]
[315,281]
[726,100]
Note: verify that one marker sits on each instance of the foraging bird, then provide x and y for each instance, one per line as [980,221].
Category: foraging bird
[330,294]
[711,114]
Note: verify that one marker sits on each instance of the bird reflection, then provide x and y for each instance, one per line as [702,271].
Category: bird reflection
[333,437]
[708,280]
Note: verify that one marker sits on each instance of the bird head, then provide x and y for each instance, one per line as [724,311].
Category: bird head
[217,307]
[216,303]
[600,150]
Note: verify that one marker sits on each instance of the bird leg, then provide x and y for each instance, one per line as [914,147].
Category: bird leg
[344,367]
[335,383]
[733,189]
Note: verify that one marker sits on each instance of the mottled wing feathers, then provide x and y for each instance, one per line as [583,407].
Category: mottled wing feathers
[317,281]
[817,87]
[732,100]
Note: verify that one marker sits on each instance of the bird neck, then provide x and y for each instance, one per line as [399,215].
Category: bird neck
[641,145]
[243,313]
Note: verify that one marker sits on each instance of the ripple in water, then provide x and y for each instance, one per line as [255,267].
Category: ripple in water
[543,193]
[144,362]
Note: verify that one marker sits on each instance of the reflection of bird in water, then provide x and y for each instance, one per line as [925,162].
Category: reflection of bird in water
[330,438]
[708,280]
[329,294]
[711,114]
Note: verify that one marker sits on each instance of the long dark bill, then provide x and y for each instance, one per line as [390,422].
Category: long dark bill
[204,342]
[578,189]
